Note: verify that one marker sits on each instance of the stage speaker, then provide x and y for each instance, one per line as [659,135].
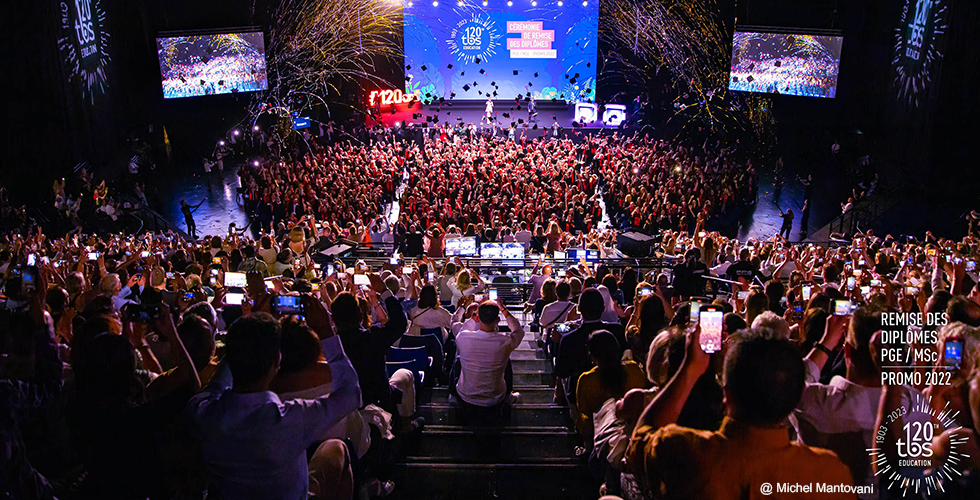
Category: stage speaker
[635,244]
[614,115]
[586,112]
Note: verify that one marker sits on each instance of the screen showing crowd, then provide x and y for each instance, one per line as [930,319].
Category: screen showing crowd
[778,63]
[500,49]
[196,65]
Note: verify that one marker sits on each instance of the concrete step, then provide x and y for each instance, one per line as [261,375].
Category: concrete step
[495,444]
[532,377]
[528,344]
[527,355]
[496,481]
[530,394]
[531,365]
[536,415]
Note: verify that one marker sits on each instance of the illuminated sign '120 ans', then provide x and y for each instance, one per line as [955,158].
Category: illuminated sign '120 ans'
[387,97]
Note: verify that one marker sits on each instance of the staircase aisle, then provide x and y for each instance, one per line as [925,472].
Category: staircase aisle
[531,456]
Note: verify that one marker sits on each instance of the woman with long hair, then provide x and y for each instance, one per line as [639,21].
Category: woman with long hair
[428,313]
[597,392]
[649,318]
[554,237]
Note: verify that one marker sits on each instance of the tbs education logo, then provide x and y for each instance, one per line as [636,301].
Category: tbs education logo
[917,47]
[474,38]
[914,465]
[84,43]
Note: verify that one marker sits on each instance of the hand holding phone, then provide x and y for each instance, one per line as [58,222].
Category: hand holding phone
[711,325]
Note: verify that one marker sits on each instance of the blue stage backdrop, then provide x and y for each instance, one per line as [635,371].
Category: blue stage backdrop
[472,49]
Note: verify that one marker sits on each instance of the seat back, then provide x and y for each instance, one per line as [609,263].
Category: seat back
[417,355]
[432,346]
[392,366]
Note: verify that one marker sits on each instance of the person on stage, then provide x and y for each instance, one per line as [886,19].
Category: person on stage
[188,211]
[488,116]
[532,109]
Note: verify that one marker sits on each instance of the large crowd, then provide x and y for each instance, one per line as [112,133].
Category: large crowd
[556,190]
[148,366]
[216,75]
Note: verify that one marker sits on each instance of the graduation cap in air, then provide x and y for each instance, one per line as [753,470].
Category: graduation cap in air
[408,78]
[477,60]
[518,107]
[515,71]
[408,67]
[442,99]
[588,65]
[588,90]
[480,92]
[495,93]
[466,87]
[450,66]
[428,119]
[475,84]
[520,120]
[424,68]
[535,127]
[461,73]
[535,74]
[494,83]
[576,75]
[459,118]
[452,94]
[573,80]
[415,116]
[506,115]
[530,84]
[553,117]
[566,77]
[483,71]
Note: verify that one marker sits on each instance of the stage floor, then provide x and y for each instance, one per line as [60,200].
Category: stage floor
[505,114]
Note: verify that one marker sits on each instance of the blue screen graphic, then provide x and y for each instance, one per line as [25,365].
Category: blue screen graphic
[473,51]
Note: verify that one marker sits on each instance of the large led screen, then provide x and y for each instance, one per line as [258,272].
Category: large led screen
[475,50]
[225,63]
[781,63]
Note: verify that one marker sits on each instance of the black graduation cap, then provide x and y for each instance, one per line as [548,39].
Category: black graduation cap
[535,127]
[466,87]
[520,120]
[587,90]
[495,93]
[576,75]
[452,94]
[424,68]
[483,71]
[553,117]
[415,116]
[506,115]
[518,107]
[515,71]
[480,92]
[461,73]
[450,66]
[571,81]
[530,84]
[494,83]
[442,99]
[428,119]
[408,67]
[203,82]
[459,119]
[588,65]
[566,77]
[535,74]
[477,60]
[408,78]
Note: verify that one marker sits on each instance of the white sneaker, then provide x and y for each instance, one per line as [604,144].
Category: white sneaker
[514,397]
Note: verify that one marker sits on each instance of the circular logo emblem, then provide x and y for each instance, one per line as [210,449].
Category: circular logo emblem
[84,44]
[923,22]
[475,38]
[910,462]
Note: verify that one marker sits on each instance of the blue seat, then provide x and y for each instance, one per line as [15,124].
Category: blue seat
[418,356]
[433,348]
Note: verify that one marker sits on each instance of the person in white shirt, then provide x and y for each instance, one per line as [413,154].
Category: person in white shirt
[537,281]
[466,318]
[523,236]
[840,416]
[428,314]
[558,311]
[464,285]
[484,353]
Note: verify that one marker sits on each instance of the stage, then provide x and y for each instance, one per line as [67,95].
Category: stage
[506,113]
